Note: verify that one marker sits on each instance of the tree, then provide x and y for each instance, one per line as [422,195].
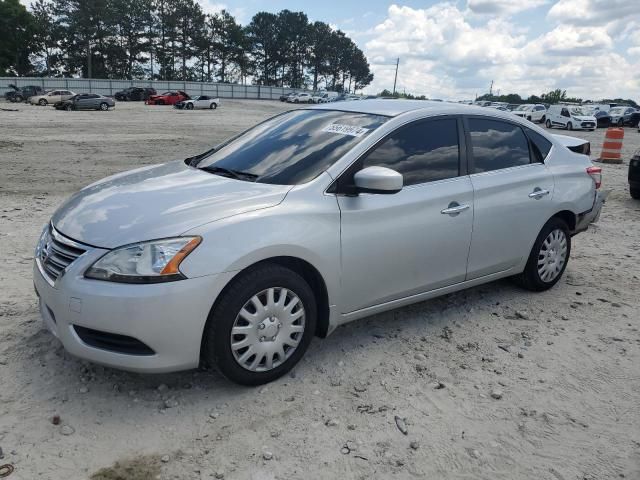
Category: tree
[318,57]
[17,28]
[263,35]
[46,34]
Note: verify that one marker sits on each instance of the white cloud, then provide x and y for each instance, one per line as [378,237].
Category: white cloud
[444,53]
[502,7]
[593,12]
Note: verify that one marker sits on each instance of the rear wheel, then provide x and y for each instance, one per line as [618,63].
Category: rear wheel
[548,123]
[544,117]
[68,108]
[548,258]
[260,326]
[42,102]
[18,98]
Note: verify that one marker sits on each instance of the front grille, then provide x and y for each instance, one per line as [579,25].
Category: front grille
[57,253]
[112,342]
[588,124]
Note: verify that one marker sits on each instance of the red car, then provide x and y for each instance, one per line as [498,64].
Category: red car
[167,98]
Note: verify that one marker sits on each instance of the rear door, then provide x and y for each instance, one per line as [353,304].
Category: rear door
[416,240]
[512,194]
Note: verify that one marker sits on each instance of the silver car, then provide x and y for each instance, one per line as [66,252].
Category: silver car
[316,217]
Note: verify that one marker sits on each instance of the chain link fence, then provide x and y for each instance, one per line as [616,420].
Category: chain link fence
[109,87]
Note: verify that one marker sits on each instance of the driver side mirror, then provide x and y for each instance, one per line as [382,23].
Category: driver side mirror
[380,180]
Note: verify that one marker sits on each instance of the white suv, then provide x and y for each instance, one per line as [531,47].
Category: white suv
[533,113]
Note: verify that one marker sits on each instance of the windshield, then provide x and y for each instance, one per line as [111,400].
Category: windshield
[616,110]
[523,107]
[577,111]
[294,147]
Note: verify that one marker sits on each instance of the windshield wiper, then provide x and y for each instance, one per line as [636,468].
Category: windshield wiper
[227,172]
[193,161]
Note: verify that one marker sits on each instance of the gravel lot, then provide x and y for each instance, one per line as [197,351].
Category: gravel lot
[563,366]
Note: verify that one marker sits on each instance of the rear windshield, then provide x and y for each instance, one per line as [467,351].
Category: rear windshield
[295,147]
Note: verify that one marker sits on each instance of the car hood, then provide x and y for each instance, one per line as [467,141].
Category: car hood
[585,118]
[158,202]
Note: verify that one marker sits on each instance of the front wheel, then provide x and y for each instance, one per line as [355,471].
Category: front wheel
[189,106]
[42,102]
[260,326]
[68,108]
[621,123]
[213,106]
[569,126]
[18,98]
[548,123]
[635,193]
[543,119]
[548,258]
[104,107]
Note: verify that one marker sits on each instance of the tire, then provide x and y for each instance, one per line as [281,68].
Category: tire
[529,118]
[189,106]
[569,126]
[550,238]
[544,117]
[160,102]
[217,350]
[68,108]
[635,193]
[42,102]
[213,106]
[548,123]
[620,122]
[18,99]
[104,106]
[296,101]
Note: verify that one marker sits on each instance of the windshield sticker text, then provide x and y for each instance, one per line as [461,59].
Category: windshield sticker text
[345,129]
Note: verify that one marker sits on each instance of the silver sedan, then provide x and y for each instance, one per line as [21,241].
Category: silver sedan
[319,216]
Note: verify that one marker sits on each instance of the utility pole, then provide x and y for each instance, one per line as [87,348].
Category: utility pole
[396,77]
[88,58]
[491,88]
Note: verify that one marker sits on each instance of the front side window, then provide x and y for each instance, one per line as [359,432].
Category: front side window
[496,145]
[424,151]
[292,148]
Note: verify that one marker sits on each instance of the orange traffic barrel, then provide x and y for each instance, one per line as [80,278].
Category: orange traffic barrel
[612,145]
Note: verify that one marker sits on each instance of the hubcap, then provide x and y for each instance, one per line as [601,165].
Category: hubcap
[552,255]
[268,329]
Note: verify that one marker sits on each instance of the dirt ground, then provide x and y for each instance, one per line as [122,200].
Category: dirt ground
[564,365]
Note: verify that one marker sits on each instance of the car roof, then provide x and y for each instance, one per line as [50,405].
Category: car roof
[393,108]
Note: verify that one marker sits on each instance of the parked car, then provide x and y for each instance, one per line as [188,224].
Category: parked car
[200,101]
[603,119]
[52,97]
[621,116]
[237,257]
[20,94]
[634,175]
[569,117]
[133,94]
[533,113]
[86,101]
[167,98]
[301,98]
[324,97]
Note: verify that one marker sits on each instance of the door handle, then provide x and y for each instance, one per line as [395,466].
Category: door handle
[454,209]
[538,193]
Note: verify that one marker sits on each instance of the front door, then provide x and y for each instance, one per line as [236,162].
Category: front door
[416,240]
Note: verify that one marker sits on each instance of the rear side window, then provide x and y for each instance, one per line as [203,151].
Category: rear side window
[497,145]
[540,146]
[423,152]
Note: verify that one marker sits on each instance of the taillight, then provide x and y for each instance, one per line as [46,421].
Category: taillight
[596,174]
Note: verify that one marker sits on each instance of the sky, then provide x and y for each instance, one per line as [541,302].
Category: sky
[454,49]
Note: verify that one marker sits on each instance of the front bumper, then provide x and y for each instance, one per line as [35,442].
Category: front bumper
[169,318]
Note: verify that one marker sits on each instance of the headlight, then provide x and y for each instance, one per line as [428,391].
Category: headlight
[146,262]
